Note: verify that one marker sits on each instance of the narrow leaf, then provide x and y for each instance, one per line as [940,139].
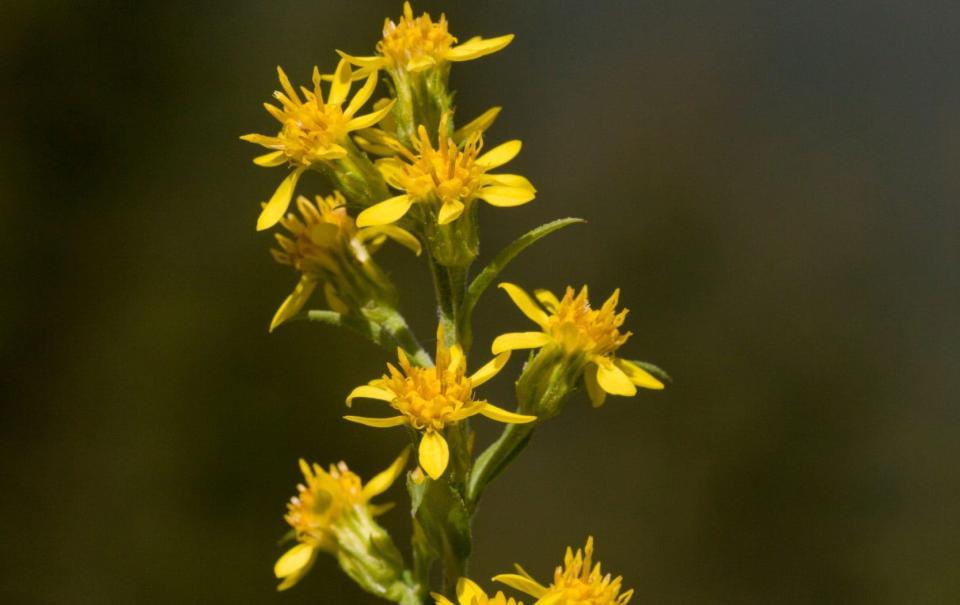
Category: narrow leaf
[656,371]
[500,261]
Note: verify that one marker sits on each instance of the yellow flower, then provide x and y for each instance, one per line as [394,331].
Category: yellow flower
[322,506]
[417,43]
[448,179]
[313,130]
[325,246]
[468,593]
[594,334]
[428,399]
[574,582]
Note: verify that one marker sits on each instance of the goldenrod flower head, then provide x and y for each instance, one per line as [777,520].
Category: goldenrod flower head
[325,246]
[448,178]
[428,399]
[580,331]
[323,506]
[414,44]
[468,593]
[313,130]
[577,581]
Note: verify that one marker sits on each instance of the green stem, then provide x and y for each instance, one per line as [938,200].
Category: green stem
[495,459]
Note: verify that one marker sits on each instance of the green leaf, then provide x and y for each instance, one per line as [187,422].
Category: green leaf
[499,262]
[655,370]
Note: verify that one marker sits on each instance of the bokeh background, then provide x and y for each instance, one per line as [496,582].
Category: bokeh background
[774,186]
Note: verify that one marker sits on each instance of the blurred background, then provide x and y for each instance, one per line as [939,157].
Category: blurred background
[773,185]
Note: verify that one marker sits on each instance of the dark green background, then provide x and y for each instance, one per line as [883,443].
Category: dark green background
[773,185]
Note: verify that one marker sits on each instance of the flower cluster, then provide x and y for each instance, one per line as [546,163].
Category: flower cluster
[402,171]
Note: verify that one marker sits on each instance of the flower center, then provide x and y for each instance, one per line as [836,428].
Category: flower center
[431,397]
[309,129]
[318,503]
[414,38]
[447,172]
[578,327]
[318,238]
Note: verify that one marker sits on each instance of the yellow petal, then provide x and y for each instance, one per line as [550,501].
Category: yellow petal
[278,204]
[597,394]
[557,598]
[510,180]
[501,415]
[468,591]
[401,236]
[382,481]
[269,160]
[370,119]
[638,375]
[340,87]
[361,96]
[377,423]
[457,359]
[295,560]
[434,454]
[449,212]
[479,124]
[391,169]
[287,86]
[513,341]
[475,48]
[505,197]
[366,391]
[263,140]
[518,582]
[612,379]
[490,369]
[385,212]
[330,152]
[333,299]
[440,599]
[420,63]
[373,62]
[293,303]
[499,155]
[547,298]
[525,303]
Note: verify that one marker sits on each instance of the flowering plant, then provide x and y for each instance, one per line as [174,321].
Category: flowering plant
[403,172]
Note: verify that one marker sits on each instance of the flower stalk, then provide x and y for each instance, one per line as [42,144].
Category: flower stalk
[401,172]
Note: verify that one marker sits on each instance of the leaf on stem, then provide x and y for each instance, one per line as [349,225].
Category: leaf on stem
[500,261]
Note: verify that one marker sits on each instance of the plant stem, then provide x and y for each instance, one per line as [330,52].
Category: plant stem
[496,458]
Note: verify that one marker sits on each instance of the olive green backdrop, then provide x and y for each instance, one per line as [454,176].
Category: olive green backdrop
[773,185]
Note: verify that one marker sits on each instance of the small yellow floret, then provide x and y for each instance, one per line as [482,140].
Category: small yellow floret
[413,44]
[448,178]
[325,246]
[576,582]
[469,593]
[431,398]
[318,507]
[313,130]
[581,331]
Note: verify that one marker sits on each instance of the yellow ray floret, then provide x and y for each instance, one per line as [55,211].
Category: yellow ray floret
[429,399]
[448,179]
[572,324]
[325,246]
[575,582]
[414,44]
[313,130]
[468,593]
[318,507]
